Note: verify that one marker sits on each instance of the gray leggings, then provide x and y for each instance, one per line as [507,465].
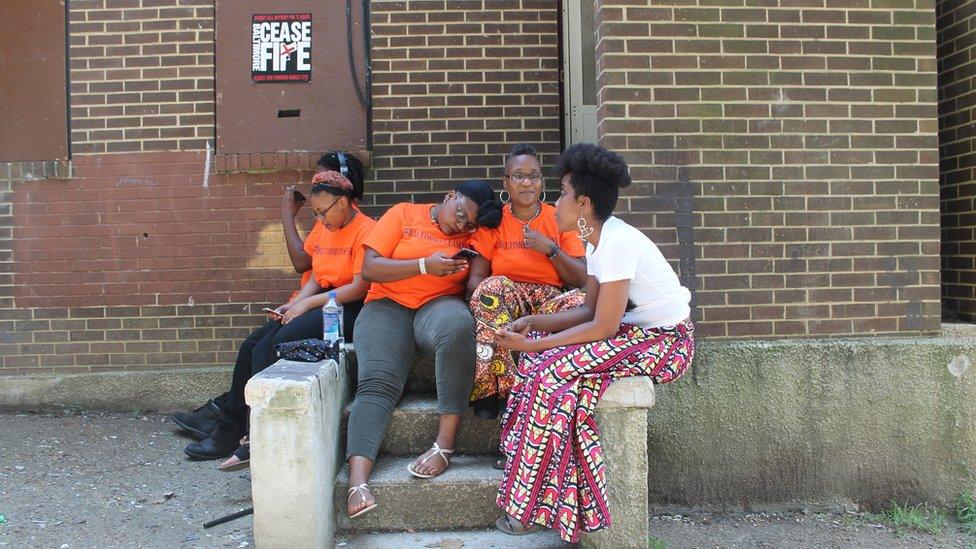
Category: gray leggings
[387,335]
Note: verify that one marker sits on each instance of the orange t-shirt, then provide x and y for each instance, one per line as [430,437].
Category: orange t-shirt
[505,248]
[405,232]
[338,256]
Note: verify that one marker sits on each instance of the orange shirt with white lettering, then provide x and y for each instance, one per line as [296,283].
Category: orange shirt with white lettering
[406,232]
[337,256]
[505,248]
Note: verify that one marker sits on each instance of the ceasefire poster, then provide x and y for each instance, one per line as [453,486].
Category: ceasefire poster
[281,47]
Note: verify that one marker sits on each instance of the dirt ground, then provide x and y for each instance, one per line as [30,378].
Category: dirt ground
[73,480]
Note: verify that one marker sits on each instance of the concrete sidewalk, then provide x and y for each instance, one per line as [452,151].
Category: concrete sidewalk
[106,480]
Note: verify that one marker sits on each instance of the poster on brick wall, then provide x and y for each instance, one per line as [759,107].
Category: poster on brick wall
[281,48]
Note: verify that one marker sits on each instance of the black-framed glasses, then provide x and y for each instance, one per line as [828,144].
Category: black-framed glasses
[520,177]
[462,217]
[321,215]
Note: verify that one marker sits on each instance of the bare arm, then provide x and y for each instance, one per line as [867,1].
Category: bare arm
[611,302]
[571,270]
[480,270]
[377,268]
[293,242]
[354,291]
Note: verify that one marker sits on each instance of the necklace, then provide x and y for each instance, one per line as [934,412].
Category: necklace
[525,224]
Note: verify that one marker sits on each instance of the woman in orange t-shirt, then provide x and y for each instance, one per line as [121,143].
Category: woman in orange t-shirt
[415,302]
[530,262]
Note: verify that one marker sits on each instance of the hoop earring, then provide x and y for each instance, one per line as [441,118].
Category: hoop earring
[584,229]
[504,196]
[542,198]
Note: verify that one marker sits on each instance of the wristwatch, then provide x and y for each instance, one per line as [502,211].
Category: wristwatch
[553,251]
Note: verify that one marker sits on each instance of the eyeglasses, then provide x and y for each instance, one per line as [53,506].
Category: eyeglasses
[462,217]
[520,177]
[321,215]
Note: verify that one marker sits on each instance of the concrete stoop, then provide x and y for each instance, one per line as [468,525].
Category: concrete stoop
[470,539]
[413,427]
[463,497]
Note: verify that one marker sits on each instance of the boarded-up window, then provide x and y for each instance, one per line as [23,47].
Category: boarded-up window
[33,104]
[283,76]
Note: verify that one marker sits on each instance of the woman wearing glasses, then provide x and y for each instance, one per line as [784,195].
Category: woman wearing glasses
[530,263]
[415,302]
[336,260]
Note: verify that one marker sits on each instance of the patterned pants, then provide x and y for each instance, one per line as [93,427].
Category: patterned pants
[499,300]
[554,471]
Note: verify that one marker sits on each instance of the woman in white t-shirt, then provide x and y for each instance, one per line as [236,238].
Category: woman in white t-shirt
[634,322]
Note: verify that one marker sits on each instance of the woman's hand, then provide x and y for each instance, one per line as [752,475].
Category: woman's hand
[521,325]
[288,204]
[439,264]
[536,241]
[295,310]
[515,341]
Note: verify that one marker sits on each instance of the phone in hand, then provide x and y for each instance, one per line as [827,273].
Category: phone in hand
[466,254]
[272,311]
[299,198]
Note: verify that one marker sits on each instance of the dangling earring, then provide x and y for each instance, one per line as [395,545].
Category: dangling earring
[584,229]
[504,196]
[542,198]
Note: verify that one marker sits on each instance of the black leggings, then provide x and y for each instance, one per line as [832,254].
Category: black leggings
[257,351]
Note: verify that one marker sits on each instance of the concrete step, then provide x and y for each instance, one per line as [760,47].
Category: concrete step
[471,539]
[463,497]
[420,380]
[413,429]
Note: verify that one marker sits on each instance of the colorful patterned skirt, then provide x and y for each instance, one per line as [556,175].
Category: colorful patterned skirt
[554,470]
[499,300]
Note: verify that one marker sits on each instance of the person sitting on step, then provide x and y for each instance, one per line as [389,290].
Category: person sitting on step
[340,228]
[529,261]
[634,322]
[418,281]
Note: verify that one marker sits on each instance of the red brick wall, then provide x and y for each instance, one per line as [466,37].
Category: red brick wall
[142,75]
[794,148]
[957,65]
[455,85]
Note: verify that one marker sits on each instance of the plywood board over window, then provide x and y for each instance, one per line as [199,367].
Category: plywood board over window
[284,81]
[33,98]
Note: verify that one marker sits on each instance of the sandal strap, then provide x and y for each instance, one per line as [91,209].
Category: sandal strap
[438,451]
[358,490]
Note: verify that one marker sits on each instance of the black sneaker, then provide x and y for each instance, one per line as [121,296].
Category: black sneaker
[223,440]
[200,422]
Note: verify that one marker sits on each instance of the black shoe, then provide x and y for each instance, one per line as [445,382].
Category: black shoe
[486,408]
[202,421]
[222,442]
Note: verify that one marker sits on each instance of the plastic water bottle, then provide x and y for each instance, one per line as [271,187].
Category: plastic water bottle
[332,321]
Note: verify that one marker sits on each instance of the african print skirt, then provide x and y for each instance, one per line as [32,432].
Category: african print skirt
[554,470]
[499,300]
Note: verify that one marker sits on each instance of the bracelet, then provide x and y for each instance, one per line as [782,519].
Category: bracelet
[553,251]
[423,265]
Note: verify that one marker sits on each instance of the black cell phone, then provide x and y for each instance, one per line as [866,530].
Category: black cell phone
[465,254]
[299,198]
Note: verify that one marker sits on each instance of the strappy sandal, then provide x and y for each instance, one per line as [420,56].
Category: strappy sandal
[438,451]
[362,490]
[507,525]
[240,459]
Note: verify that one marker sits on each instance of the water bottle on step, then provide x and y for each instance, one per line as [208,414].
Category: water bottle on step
[332,320]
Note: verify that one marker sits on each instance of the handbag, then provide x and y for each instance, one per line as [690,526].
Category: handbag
[307,350]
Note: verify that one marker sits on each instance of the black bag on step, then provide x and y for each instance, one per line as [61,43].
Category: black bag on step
[307,350]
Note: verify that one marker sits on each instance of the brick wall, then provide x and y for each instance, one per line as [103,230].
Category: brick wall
[794,147]
[455,85]
[142,75]
[957,65]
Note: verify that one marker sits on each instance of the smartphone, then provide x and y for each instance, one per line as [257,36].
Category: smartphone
[465,254]
[299,198]
[272,311]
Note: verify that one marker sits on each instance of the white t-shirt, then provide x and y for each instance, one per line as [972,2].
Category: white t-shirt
[625,253]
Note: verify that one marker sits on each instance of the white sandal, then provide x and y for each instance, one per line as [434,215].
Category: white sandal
[359,490]
[438,451]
